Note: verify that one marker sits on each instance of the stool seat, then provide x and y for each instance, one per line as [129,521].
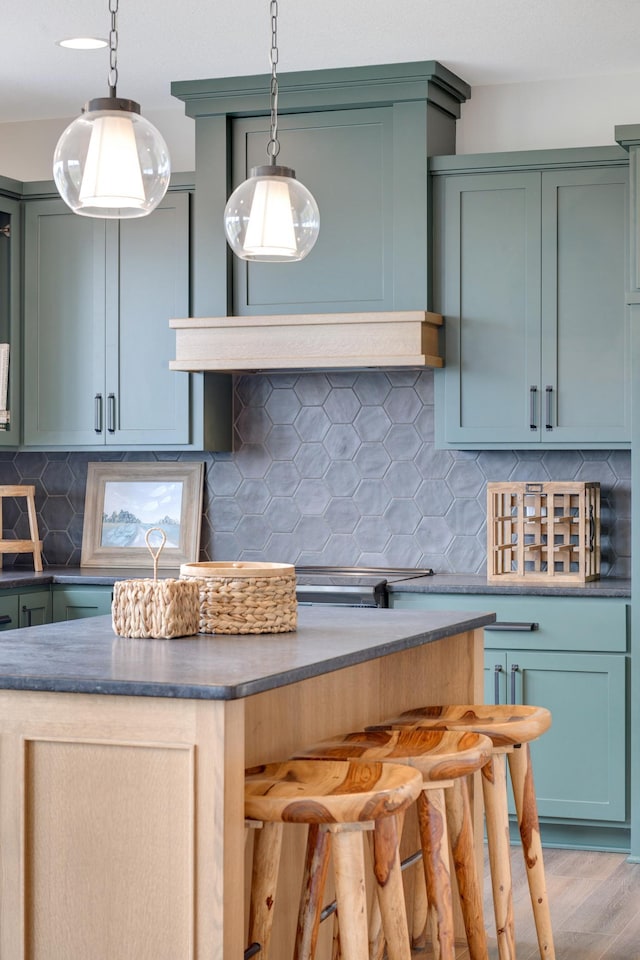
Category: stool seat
[444,758]
[505,724]
[337,799]
[437,754]
[295,791]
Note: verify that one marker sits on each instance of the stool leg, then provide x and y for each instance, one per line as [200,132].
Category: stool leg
[464,860]
[376,929]
[435,852]
[313,886]
[388,874]
[420,911]
[264,880]
[494,790]
[348,866]
[525,798]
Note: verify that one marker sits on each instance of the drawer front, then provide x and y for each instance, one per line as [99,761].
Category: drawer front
[9,607]
[538,623]
[76,603]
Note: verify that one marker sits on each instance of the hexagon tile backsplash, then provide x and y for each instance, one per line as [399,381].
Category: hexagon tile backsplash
[335,468]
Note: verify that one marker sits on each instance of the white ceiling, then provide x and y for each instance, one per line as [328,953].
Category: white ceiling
[483,41]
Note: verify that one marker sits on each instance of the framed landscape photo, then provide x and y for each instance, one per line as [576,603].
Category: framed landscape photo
[124,500]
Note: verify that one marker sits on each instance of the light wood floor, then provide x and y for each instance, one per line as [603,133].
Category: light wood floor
[595,907]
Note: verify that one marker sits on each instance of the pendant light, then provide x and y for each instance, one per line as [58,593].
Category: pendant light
[111,162]
[272,216]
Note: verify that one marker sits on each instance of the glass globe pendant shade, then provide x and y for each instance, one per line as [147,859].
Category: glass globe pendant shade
[271,217]
[111,162]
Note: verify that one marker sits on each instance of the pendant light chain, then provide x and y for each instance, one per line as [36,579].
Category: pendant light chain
[113,48]
[273,147]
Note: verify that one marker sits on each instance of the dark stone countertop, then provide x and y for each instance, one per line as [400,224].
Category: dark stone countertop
[466,583]
[440,583]
[85,656]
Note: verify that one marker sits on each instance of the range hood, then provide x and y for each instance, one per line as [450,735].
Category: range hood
[320,341]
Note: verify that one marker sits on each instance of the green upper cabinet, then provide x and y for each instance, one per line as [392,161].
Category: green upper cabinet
[359,139]
[98,298]
[10,315]
[530,269]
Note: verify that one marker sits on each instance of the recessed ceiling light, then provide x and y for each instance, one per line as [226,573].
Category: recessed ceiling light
[83,43]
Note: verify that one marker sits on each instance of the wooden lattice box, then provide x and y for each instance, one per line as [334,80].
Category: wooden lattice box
[543,532]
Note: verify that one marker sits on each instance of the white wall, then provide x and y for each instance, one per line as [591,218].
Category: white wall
[519,116]
[556,113]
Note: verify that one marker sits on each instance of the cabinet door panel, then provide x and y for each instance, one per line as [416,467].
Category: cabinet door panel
[491,301]
[150,402]
[579,764]
[10,310]
[64,325]
[35,608]
[9,613]
[76,603]
[345,158]
[585,332]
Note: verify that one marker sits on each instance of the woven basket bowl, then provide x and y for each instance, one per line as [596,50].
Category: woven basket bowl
[159,609]
[244,597]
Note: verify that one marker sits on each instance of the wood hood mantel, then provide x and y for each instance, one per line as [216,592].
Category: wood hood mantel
[321,341]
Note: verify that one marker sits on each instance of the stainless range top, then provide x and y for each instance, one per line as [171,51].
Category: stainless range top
[352,586]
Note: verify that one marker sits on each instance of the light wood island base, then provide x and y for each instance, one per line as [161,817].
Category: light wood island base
[121,817]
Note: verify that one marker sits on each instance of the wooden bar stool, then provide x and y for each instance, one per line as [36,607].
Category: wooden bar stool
[510,727]
[342,799]
[444,759]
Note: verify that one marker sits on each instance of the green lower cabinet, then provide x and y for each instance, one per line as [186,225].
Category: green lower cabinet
[570,655]
[579,765]
[75,603]
[25,609]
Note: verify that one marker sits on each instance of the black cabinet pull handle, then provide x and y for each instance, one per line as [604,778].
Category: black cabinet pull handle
[521,625]
[111,412]
[549,393]
[5,619]
[97,410]
[514,670]
[497,670]
[533,392]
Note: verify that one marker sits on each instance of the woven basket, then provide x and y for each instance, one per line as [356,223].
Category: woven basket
[244,597]
[155,608]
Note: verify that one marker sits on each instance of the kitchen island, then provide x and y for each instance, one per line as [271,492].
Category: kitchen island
[121,766]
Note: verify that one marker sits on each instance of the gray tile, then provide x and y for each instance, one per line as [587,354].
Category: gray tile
[282,478]
[223,478]
[283,442]
[253,424]
[403,550]
[465,479]
[372,387]
[252,496]
[433,498]
[252,391]
[402,442]
[253,460]
[402,479]
[372,424]
[433,464]
[342,478]
[225,514]
[402,517]
[312,423]
[57,513]
[341,441]
[562,464]
[252,533]
[283,406]
[402,405]
[312,496]
[433,535]
[465,517]
[341,405]
[342,378]
[465,553]
[372,534]
[224,547]
[620,463]
[425,424]
[312,460]
[496,465]
[372,460]
[31,465]
[529,470]
[372,497]
[312,533]
[424,386]
[56,547]
[57,477]
[312,388]
[342,516]
[282,514]
[597,470]
[281,548]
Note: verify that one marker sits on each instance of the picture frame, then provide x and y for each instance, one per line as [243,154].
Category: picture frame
[123,500]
